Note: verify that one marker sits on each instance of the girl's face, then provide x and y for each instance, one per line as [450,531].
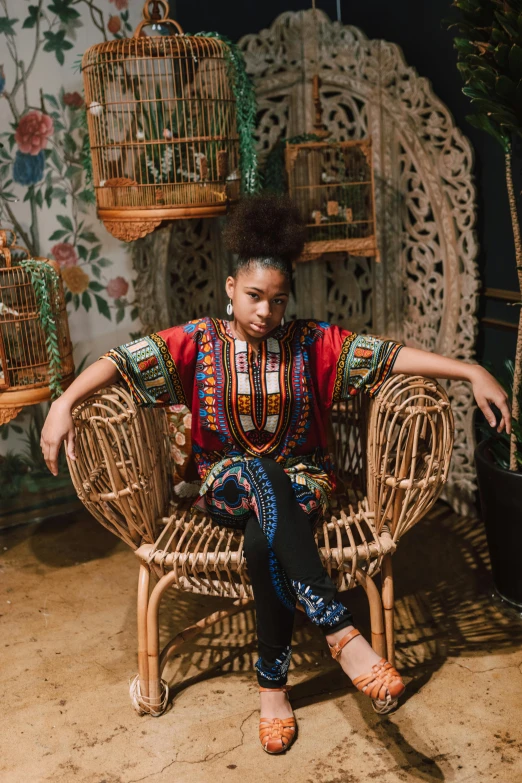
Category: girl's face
[259,298]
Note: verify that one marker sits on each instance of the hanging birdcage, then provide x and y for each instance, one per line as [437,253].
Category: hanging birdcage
[35,347]
[331,182]
[161,115]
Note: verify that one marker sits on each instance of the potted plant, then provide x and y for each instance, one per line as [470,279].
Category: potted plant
[489,45]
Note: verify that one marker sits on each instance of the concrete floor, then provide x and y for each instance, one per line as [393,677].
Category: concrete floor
[68,638]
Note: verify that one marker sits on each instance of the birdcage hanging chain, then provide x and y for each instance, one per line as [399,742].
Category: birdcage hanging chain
[45,283]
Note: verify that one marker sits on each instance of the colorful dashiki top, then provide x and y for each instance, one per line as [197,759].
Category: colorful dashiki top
[275,404]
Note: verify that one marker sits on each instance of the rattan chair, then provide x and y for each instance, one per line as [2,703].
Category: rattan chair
[392,455]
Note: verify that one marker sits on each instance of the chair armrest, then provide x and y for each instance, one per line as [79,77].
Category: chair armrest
[410,442]
[121,470]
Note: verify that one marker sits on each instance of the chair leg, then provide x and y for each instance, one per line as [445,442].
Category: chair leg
[378,633]
[376,616]
[158,689]
[388,600]
[139,688]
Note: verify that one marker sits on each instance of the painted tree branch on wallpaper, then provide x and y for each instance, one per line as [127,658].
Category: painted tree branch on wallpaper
[45,194]
[40,157]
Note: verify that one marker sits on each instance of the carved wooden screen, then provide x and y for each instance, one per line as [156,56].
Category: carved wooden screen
[424,292]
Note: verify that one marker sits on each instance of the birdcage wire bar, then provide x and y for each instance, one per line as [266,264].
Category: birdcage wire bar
[161,115]
[332,184]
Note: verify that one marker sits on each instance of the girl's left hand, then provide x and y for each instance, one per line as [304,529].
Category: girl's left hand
[486,390]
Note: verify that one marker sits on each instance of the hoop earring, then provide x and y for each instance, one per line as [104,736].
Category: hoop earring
[230,309]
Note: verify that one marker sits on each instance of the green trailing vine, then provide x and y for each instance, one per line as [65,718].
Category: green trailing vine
[274,173]
[45,282]
[246,112]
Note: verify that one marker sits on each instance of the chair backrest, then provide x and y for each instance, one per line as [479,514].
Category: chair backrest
[122,464]
[347,439]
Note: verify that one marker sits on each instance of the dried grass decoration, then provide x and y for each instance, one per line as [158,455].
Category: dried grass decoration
[170,121]
[36,361]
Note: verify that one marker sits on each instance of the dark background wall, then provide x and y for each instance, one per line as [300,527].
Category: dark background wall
[416,26]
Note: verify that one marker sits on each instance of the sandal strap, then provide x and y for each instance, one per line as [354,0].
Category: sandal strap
[336,648]
[284,688]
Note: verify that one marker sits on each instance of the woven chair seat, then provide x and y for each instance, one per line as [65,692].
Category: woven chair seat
[208,558]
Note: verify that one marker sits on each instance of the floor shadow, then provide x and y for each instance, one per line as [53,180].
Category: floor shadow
[64,540]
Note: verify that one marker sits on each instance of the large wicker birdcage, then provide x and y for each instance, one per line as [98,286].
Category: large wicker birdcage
[27,370]
[331,182]
[161,116]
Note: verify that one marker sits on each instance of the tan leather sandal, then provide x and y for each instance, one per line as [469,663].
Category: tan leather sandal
[383,684]
[277,734]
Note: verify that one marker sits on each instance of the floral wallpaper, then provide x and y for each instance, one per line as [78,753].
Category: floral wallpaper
[44,193]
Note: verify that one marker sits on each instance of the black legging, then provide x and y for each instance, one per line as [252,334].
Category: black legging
[283,563]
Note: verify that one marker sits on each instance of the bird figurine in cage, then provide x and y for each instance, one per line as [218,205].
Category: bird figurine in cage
[161,117]
[35,347]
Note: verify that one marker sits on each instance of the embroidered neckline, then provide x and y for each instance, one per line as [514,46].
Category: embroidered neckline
[274,334]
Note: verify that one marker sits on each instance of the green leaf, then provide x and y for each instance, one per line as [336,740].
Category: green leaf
[82,252]
[103,307]
[49,195]
[39,198]
[96,271]
[65,221]
[95,252]
[61,195]
[76,301]
[52,100]
[7,25]
[68,297]
[103,262]
[63,10]
[134,313]
[72,170]
[55,42]
[515,62]
[87,196]
[506,88]
[89,236]
[58,234]
[485,76]
[94,286]
[86,300]
[120,314]
[33,16]
[483,122]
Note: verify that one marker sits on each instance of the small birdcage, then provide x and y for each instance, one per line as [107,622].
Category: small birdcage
[331,182]
[161,114]
[35,347]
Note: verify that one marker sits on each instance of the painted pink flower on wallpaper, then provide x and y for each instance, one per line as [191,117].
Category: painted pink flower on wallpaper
[73,99]
[33,132]
[117,287]
[120,4]
[65,254]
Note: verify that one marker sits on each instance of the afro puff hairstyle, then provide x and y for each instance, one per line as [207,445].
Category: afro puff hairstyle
[265,229]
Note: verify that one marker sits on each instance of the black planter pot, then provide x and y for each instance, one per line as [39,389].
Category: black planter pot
[501,501]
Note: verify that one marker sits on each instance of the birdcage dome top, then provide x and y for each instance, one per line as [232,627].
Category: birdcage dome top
[155,43]
[173,46]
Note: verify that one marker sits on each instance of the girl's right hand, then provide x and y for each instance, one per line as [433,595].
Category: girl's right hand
[58,427]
